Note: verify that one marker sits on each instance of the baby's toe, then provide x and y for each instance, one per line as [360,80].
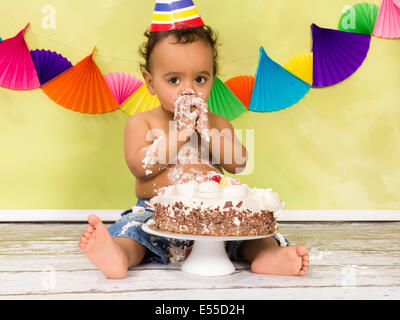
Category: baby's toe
[83,242]
[87,235]
[302,251]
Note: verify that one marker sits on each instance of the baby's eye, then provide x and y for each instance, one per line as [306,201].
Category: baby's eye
[173,80]
[201,79]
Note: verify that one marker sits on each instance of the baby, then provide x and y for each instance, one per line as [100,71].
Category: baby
[178,141]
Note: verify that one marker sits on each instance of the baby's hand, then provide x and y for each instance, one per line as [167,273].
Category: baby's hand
[202,125]
[186,113]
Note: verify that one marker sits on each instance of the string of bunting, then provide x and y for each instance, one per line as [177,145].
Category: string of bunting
[335,56]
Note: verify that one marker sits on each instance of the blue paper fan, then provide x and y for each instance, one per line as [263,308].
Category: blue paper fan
[275,88]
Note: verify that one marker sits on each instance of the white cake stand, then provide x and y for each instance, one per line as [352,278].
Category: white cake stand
[208,256]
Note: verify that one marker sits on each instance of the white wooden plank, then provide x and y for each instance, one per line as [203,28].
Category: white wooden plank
[65,215]
[91,281]
[348,260]
[78,261]
[71,231]
[317,293]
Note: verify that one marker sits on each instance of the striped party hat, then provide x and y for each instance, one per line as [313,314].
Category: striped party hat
[175,14]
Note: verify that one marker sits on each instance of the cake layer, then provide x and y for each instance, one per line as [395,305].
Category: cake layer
[228,220]
[223,208]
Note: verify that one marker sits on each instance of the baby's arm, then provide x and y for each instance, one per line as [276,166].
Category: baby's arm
[148,152]
[225,146]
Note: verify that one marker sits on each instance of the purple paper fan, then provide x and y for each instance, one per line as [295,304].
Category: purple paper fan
[49,64]
[336,54]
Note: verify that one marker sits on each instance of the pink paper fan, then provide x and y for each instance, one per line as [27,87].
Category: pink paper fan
[397,3]
[17,70]
[122,85]
[387,23]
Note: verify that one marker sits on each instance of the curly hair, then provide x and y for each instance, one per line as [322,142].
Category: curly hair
[183,36]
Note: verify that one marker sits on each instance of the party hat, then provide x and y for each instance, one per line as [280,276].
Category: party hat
[223,102]
[49,64]
[122,85]
[387,23]
[359,18]
[175,14]
[242,87]
[141,100]
[301,66]
[82,88]
[275,87]
[17,70]
[336,54]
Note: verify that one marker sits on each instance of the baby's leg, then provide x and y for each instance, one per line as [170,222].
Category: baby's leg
[113,256]
[267,257]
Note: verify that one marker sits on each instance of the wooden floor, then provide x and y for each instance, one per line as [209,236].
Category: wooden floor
[348,261]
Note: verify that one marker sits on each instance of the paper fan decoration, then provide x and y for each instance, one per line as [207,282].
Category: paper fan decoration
[49,64]
[359,18]
[301,66]
[82,88]
[387,23]
[336,54]
[122,85]
[141,100]
[223,102]
[275,88]
[397,3]
[242,88]
[17,70]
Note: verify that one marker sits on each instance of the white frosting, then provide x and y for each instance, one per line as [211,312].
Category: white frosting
[210,194]
[186,189]
[236,191]
[272,201]
[208,190]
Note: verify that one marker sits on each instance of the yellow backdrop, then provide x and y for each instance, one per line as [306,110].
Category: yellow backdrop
[338,148]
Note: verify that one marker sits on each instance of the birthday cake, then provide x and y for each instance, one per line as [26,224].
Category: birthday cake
[220,206]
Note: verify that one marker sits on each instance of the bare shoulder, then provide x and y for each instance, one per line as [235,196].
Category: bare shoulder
[139,120]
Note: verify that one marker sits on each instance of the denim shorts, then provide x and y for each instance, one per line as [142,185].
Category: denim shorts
[164,250]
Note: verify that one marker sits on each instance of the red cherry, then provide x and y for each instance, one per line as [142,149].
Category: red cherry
[217,179]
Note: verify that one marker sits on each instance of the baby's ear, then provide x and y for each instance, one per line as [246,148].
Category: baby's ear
[148,79]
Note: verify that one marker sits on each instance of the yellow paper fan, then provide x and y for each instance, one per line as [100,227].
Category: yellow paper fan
[301,66]
[141,100]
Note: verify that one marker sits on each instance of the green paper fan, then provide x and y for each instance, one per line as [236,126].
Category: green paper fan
[359,18]
[223,101]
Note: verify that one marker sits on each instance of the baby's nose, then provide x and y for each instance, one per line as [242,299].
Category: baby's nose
[188,92]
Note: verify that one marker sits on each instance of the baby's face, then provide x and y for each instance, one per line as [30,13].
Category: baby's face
[178,69]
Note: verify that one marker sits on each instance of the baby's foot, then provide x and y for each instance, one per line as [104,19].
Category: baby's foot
[99,247]
[284,261]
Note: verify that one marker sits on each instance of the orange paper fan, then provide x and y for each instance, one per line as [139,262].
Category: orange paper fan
[242,87]
[82,88]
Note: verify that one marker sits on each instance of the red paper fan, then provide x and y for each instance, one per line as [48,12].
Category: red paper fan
[82,88]
[242,87]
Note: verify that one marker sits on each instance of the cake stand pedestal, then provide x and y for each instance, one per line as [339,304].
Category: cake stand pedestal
[208,256]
